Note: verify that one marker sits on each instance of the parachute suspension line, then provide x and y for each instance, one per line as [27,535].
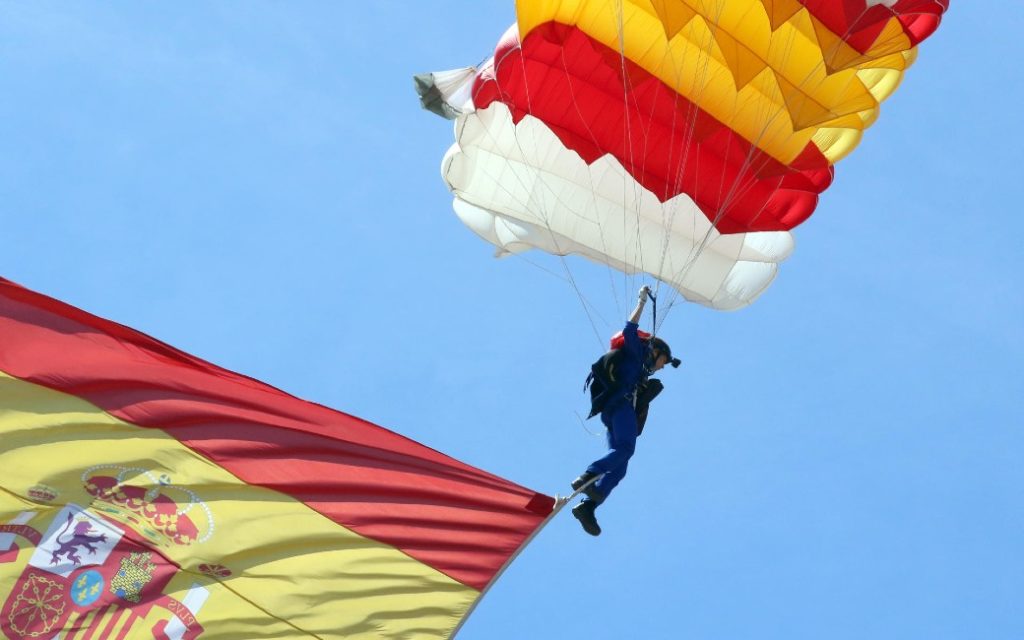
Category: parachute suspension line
[593,197]
[767,118]
[634,163]
[743,120]
[693,113]
[729,193]
[668,214]
[588,308]
[628,134]
[540,200]
[641,162]
[540,209]
[620,300]
[628,161]
[689,124]
[535,198]
[583,425]
[735,190]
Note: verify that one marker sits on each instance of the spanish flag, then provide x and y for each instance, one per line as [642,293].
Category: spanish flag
[147,493]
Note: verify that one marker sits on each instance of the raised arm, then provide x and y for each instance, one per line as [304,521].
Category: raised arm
[641,301]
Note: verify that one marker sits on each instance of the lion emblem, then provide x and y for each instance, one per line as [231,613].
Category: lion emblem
[71,542]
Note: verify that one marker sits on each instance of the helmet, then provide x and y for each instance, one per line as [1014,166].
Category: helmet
[657,344]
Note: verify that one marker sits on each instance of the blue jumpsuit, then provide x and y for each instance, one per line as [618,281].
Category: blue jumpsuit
[619,414]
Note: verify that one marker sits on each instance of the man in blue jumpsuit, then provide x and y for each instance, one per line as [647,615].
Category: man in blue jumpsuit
[619,414]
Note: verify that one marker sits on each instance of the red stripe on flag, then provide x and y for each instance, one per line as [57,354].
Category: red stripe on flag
[75,626]
[462,521]
[114,614]
[105,618]
[127,627]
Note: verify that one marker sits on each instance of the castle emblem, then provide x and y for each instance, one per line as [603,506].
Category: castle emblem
[135,573]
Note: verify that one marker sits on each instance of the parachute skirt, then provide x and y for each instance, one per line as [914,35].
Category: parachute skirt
[518,187]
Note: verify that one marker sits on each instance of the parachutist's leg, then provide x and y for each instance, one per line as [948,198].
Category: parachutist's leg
[610,480]
[621,423]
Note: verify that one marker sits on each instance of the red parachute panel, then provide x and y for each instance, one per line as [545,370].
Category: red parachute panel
[671,146]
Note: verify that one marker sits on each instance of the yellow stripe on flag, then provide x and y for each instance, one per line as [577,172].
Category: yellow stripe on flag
[256,549]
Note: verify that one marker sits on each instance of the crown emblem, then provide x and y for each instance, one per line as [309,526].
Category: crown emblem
[42,493]
[159,509]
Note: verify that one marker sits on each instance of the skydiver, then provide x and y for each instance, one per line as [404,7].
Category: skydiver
[621,390]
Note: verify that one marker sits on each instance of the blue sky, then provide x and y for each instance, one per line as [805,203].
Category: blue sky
[256,184]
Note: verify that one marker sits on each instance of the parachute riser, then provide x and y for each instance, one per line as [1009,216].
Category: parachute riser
[654,312]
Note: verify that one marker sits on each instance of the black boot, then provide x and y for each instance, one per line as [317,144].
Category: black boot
[584,512]
[584,478]
[590,492]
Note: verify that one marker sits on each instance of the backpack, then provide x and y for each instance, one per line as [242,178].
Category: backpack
[601,380]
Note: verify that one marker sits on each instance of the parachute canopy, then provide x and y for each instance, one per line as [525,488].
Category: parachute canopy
[144,489]
[681,138]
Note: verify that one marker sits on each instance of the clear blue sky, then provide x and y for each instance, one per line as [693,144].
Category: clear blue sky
[255,183]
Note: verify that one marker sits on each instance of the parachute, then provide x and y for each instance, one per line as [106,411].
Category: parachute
[684,139]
